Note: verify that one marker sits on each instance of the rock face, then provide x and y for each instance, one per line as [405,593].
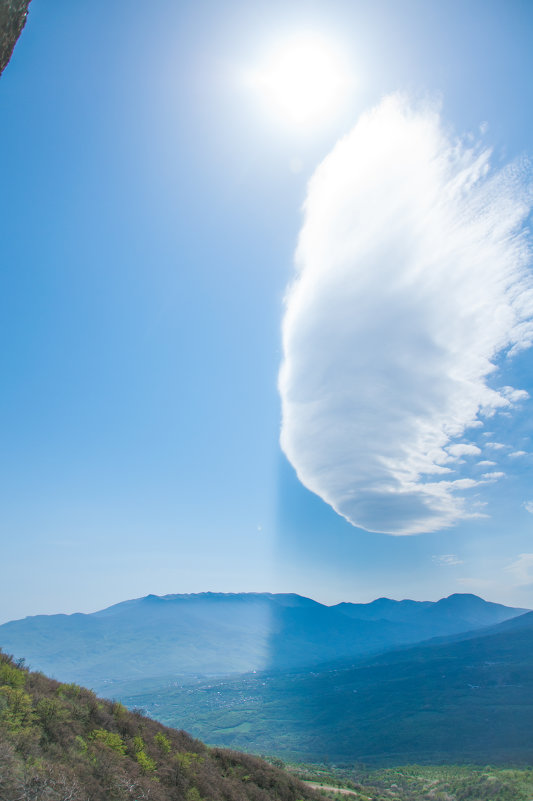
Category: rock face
[13,15]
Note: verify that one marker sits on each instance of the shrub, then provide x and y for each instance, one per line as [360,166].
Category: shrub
[146,763]
[109,738]
[162,742]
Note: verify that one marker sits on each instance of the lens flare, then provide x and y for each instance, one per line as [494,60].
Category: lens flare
[305,79]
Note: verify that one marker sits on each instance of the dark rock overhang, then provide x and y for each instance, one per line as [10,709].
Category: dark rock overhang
[13,15]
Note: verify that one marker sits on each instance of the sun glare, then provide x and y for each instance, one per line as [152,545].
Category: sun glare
[305,79]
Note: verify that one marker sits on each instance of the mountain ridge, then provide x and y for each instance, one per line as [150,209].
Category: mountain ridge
[207,595]
[228,633]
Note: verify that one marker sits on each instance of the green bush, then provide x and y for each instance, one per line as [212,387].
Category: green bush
[109,738]
[146,763]
[163,743]
[11,677]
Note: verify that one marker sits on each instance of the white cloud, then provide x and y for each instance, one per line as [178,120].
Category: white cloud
[486,463]
[494,476]
[517,454]
[447,559]
[514,395]
[528,506]
[463,449]
[522,570]
[496,446]
[412,277]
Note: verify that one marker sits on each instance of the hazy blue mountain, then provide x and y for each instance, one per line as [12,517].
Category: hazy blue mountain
[466,700]
[219,634]
[386,609]
[207,633]
[451,615]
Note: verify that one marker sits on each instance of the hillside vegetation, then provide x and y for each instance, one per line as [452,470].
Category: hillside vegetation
[59,742]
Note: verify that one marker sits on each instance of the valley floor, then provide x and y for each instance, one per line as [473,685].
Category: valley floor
[416,783]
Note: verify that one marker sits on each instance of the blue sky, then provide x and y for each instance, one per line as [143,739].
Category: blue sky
[151,207]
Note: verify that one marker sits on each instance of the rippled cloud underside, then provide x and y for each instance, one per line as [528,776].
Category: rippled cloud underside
[412,278]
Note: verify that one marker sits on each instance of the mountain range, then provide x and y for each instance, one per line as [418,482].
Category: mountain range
[388,682]
[215,634]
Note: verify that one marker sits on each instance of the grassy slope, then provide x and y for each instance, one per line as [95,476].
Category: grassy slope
[60,742]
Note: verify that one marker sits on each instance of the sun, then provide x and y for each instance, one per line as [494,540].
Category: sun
[305,79]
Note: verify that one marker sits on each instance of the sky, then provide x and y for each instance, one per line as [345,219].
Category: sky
[252,348]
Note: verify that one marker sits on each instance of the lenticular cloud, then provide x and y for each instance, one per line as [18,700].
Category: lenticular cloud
[412,279]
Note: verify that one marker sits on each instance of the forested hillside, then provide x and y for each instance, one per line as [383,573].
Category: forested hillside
[60,742]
